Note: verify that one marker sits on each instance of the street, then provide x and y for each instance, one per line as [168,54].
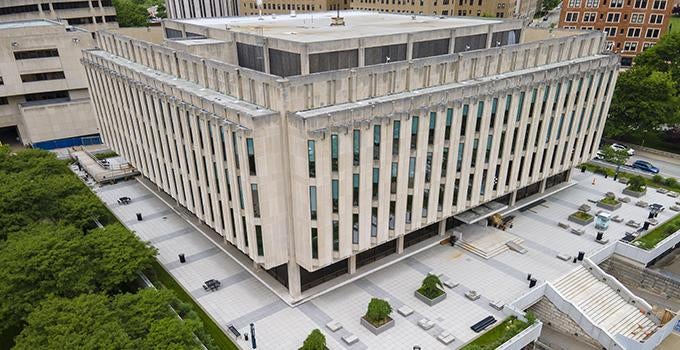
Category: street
[668,167]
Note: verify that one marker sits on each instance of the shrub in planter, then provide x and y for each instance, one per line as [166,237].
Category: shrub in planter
[637,186]
[431,291]
[609,203]
[581,218]
[377,318]
[315,341]
[657,179]
[671,182]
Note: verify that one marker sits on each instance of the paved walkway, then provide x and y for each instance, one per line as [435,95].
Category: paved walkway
[243,299]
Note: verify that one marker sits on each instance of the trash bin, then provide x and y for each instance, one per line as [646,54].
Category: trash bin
[182,259]
[600,235]
[532,283]
[139,216]
[581,255]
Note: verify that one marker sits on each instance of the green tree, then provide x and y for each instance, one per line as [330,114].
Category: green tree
[637,183]
[664,56]
[315,341]
[130,13]
[378,311]
[172,334]
[615,156]
[643,101]
[431,286]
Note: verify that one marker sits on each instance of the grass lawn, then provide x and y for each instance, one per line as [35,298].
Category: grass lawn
[104,155]
[675,24]
[161,278]
[498,335]
[651,239]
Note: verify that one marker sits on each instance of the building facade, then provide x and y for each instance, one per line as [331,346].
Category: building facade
[631,25]
[44,100]
[318,150]
[178,9]
[479,8]
[90,15]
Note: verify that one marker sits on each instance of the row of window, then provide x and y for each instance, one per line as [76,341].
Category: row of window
[486,153]
[9,10]
[32,77]
[637,4]
[650,33]
[185,159]
[613,17]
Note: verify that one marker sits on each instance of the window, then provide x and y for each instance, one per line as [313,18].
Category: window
[336,236]
[433,122]
[334,152]
[589,16]
[27,78]
[659,5]
[315,243]
[355,190]
[494,109]
[258,239]
[376,142]
[374,222]
[630,46]
[449,121]
[311,158]
[652,33]
[376,182]
[654,19]
[393,177]
[574,3]
[409,207]
[312,202]
[3,101]
[613,17]
[426,200]
[335,195]
[250,148]
[414,132]
[31,54]
[356,143]
[592,3]
[520,106]
[610,45]
[391,219]
[634,32]
[645,46]
[640,4]
[445,160]
[571,17]
[611,31]
[355,228]
[43,96]
[396,129]
[411,171]
[463,121]
[480,113]
[637,18]
[616,3]
[256,200]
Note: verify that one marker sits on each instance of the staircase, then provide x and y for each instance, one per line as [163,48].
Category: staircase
[487,252]
[604,306]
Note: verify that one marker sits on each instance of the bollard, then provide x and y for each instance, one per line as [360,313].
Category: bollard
[182,259]
[600,235]
[645,227]
[528,277]
[139,216]
[581,255]
[574,261]
[532,283]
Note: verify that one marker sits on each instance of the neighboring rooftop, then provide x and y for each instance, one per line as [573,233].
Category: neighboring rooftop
[28,24]
[314,27]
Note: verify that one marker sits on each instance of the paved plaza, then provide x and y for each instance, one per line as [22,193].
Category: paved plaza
[243,299]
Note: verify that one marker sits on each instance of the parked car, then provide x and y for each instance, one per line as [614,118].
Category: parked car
[620,147]
[645,166]
[599,155]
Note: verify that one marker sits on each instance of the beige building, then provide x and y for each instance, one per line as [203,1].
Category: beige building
[87,14]
[486,8]
[178,9]
[319,150]
[44,100]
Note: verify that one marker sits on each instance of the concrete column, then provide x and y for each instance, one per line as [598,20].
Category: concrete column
[542,187]
[294,287]
[304,61]
[442,227]
[400,244]
[513,198]
[265,52]
[352,264]
[409,48]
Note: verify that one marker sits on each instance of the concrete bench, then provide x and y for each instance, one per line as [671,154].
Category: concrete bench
[350,339]
[498,305]
[674,208]
[578,231]
[633,223]
[472,295]
[624,199]
[334,326]
[563,225]
[405,311]
[661,190]
[426,324]
[617,218]
[672,194]
[446,338]
[564,257]
[642,204]
[450,284]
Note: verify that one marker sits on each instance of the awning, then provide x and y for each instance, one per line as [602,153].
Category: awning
[480,212]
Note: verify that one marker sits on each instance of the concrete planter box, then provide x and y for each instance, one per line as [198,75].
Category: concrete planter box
[427,300]
[635,194]
[574,218]
[377,330]
[609,207]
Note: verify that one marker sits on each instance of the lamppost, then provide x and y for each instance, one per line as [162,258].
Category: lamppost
[252,335]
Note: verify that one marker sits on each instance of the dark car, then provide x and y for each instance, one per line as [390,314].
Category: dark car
[645,166]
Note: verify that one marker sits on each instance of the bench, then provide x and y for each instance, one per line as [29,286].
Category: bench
[661,190]
[446,338]
[563,225]
[564,257]
[578,231]
[624,199]
[483,324]
[672,194]
[425,324]
[233,330]
[674,208]
[450,284]
[350,339]
[472,295]
[405,311]
[334,326]
[617,218]
[498,305]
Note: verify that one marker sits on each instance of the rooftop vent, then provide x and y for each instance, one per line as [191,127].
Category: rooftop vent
[337,20]
[292,13]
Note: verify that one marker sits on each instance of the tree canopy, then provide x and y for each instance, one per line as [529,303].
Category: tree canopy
[647,96]
[96,321]
[133,13]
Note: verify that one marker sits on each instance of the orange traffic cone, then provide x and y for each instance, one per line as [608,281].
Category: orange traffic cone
[593,181]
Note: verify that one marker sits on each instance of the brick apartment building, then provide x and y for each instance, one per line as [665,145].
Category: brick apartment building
[631,25]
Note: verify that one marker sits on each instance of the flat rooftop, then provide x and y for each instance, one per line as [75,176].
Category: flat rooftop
[314,27]
[27,24]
